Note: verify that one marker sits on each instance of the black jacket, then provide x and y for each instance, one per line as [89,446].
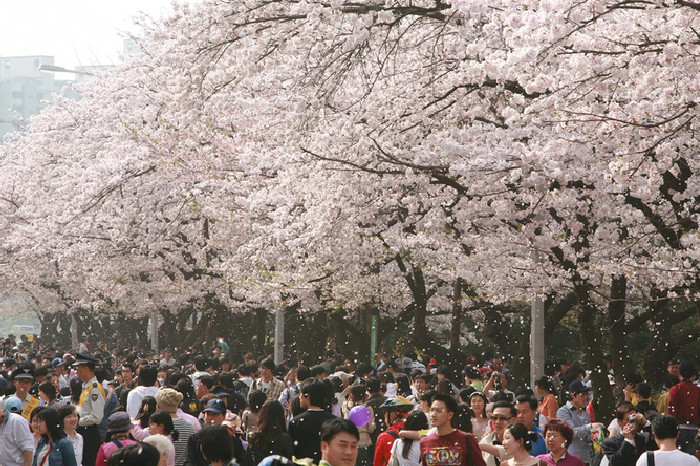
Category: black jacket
[622,453]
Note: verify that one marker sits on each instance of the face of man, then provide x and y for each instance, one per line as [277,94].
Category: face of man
[497,364]
[501,417]
[22,386]
[127,375]
[420,385]
[213,419]
[266,373]
[439,414]
[349,365]
[626,419]
[83,372]
[579,399]
[525,414]
[201,390]
[674,369]
[304,401]
[341,450]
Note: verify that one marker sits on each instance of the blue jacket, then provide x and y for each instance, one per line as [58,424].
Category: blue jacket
[61,455]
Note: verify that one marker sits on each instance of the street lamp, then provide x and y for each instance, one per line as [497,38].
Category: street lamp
[60,69]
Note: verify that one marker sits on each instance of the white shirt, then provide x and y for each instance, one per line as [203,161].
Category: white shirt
[133,399]
[15,439]
[413,454]
[77,442]
[669,458]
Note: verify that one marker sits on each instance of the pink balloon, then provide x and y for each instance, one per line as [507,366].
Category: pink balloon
[360,416]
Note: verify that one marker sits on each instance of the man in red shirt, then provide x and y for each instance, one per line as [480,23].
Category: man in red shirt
[448,446]
[395,410]
[684,405]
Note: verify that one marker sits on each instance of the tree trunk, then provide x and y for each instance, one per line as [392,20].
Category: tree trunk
[616,324]
[590,339]
[420,333]
[456,329]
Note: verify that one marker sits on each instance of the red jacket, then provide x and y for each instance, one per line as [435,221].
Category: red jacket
[382,449]
[684,402]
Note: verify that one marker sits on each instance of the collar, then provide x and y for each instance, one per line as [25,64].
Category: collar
[560,458]
[90,382]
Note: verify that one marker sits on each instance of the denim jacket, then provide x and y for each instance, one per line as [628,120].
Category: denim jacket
[61,455]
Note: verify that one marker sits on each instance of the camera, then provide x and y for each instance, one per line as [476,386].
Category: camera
[496,381]
[633,421]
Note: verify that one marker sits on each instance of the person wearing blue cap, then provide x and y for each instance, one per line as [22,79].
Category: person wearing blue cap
[575,414]
[214,415]
[16,440]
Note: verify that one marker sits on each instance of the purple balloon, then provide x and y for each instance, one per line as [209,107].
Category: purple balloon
[360,416]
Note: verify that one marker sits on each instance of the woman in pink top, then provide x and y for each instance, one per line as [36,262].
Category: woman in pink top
[118,426]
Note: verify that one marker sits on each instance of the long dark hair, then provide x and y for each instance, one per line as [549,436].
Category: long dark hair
[148,407]
[53,424]
[271,422]
[417,420]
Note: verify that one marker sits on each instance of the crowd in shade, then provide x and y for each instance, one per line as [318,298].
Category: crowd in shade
[92,406]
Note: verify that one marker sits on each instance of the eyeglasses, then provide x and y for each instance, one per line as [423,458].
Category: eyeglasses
[500,418]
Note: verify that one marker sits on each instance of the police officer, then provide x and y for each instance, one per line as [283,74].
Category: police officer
[23,378]
[91,406]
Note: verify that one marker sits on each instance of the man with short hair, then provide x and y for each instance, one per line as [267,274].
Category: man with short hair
[339,443]
[491,446]
[673,367]
[244,381]
[128,383]
[421,382]
[201,364]
[214,415]
[304,428]
[267,382]
[626,447]
[684,405]
[448,446]
[375,400]
[167,359]
[23,378]
[16,440]
[526,410]
[665,430]
[148,386]
[644,406]
[91,406]
[575,414]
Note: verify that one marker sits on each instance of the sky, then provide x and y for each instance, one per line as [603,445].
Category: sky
[75,32]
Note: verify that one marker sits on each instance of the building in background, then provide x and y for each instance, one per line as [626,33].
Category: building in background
[24,90]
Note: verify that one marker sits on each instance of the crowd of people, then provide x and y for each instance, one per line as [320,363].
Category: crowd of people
[95,407]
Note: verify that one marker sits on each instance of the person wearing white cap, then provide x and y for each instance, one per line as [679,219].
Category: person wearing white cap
[91,407]
[16,440]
